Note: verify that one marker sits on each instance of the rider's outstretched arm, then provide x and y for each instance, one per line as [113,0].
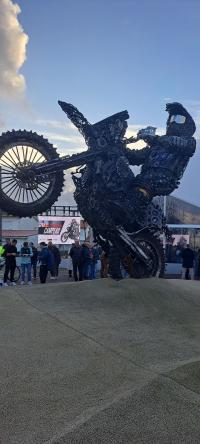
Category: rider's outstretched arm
[136,157]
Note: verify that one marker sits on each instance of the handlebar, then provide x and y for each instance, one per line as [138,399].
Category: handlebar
[66,162]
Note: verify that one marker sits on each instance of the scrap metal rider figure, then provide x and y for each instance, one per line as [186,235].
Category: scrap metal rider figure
[164,159]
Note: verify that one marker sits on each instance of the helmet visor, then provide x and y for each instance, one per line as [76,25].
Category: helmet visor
[177,119]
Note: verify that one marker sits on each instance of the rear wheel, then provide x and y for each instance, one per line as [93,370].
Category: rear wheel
[64,237]
[153,248]
[22,196]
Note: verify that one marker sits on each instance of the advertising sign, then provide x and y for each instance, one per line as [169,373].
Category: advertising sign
[58,229]
[180,240]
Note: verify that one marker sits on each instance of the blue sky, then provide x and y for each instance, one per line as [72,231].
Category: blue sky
[103,56]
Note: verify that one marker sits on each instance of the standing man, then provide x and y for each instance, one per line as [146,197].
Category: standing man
[76,255]
[187,262]
[57,260]
[86,259]
[34,259]
[45,258]
[10,254]
[94,255]
[26,255]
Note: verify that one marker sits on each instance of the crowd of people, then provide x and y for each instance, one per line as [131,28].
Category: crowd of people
[83,259]
[82,262]
[47,257]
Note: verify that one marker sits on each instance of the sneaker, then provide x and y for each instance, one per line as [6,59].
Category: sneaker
[22,282]
[29,283]
[52,278]
[13,283]
[5,284]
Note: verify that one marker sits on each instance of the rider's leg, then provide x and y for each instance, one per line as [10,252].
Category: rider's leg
[136,204]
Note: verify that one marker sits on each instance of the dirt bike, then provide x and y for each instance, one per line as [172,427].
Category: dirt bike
[72,232]
[32,179]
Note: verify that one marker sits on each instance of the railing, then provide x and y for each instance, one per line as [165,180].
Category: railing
[62,210]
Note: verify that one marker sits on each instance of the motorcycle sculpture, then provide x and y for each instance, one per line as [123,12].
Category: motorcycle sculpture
[115,203]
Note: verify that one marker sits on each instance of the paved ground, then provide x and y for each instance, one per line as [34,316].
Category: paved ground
[100,362]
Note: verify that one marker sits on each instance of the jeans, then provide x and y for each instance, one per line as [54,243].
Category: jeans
[34,265]
[54,271]
[190,273]
[9,270]
[86,269]
[92,270]
[77,266]
[26,268]
[43,273]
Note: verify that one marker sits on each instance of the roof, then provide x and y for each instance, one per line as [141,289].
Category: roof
[19,233]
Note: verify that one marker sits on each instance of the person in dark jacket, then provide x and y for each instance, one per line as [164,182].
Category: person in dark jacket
[57,260]
[45,257]
[10,253]
[77,260]
[94,256]
[187,263]
[34,259]
[87,259]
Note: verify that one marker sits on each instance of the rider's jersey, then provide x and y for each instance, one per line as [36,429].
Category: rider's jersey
[163,162]
[170,152]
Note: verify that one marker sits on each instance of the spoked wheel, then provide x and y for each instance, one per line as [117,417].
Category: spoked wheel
[153,248]
[21,195]
[64,237]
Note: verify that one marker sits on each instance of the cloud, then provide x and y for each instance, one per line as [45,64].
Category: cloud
[133,129]
[13,43]
[55,124]
[63,138]
[66,197]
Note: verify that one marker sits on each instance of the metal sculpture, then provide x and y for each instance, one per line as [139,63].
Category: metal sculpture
[115,203]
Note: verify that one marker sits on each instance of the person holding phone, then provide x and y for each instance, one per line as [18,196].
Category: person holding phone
[26,255]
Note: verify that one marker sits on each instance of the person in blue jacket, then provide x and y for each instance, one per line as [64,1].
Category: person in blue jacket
[45,257]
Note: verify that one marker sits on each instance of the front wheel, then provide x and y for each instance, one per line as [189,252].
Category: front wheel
[20,195]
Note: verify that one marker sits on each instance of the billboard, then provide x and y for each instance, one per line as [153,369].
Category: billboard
[180,240]
[58,229]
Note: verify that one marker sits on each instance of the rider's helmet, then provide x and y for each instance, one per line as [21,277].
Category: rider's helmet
[179,122]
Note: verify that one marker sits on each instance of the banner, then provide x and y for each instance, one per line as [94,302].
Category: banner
[58,229]
[180,240]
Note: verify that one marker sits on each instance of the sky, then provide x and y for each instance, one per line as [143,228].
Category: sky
[103,56]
